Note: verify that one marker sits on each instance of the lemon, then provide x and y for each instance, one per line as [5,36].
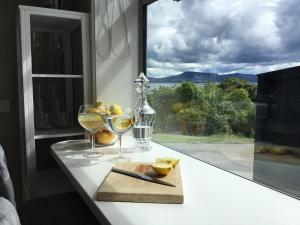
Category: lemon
[100,103]
[168,160]
[105,137]
[92,110]
[101,107]
[115,106]
[115,110]
[162,168]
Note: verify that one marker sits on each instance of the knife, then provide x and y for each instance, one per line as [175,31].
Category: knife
[141,176]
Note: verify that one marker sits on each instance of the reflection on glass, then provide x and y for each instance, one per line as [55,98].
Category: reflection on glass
[277,143]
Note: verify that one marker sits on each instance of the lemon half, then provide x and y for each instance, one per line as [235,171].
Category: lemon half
[168,160]
[162,168]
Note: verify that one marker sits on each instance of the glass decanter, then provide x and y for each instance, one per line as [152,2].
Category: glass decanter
[144,115]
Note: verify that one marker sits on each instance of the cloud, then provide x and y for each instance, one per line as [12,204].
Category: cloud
[222,36]
[289,25]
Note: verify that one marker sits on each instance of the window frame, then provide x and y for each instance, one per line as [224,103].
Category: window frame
[143,8]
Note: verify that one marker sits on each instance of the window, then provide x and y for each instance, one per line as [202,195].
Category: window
[225,83]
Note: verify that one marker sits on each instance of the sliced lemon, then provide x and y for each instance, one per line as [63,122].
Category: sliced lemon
[168,160]
[126,123]
[162,168]
[121,122]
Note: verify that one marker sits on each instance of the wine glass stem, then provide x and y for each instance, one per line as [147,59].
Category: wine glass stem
[93,142]
[120,144]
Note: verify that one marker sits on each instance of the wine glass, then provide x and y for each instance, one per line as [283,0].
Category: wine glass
[91,119]
[120,124]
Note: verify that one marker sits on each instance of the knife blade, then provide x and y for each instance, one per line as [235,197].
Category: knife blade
[141,176]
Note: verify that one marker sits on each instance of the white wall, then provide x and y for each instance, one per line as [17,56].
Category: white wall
[115,76]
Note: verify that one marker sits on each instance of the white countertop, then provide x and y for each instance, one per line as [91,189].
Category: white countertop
[211,196]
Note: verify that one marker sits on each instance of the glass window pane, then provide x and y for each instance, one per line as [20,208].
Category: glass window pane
[225,78]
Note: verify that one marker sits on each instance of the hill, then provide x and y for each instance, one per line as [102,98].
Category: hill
[199,77]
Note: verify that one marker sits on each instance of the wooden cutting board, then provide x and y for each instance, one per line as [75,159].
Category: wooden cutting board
[121,188]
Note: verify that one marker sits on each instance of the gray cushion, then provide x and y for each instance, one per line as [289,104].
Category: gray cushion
[6,187]
[8,214]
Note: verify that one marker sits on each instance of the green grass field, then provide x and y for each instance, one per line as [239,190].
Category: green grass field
[220,138]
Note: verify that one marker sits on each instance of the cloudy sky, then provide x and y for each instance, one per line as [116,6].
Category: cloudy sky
[222,36]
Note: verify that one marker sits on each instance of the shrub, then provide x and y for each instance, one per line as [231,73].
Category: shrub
[210,109]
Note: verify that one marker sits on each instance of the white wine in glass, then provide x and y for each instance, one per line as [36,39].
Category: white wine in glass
[91,119]
[120,124]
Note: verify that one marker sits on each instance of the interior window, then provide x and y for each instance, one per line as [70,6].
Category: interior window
[225,83]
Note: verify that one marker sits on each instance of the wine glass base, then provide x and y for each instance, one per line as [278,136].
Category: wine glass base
[93,155]
[120,159]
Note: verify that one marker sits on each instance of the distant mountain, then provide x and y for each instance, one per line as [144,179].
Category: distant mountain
[198,77]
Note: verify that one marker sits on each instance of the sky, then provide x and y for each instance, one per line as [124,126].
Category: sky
[218,36]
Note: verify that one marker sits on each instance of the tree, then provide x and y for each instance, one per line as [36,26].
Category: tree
[209,109]
[186,92]
[241,112]
[213,104]
[162,100]
[233,83]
